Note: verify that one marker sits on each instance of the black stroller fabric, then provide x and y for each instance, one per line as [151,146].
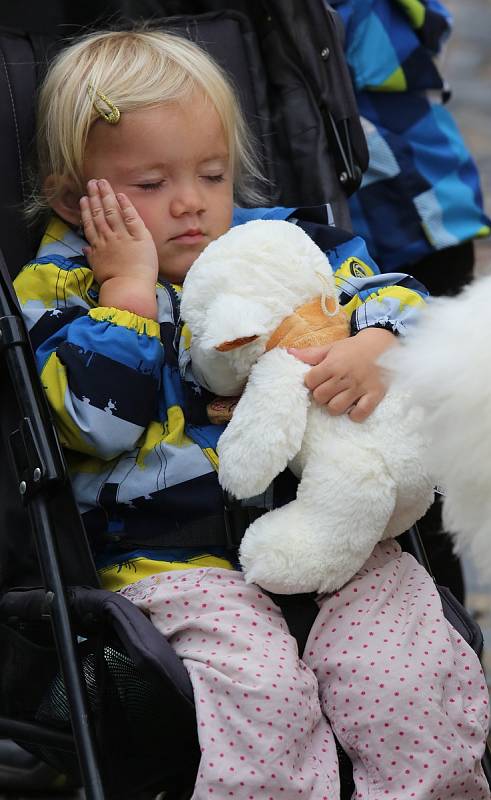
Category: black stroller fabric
[23,58]
[285,60]
[139,691]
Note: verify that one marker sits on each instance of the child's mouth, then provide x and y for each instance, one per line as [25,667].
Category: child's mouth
[192,236]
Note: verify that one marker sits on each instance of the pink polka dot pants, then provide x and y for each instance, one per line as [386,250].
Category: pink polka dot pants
[261,730]
[402,691]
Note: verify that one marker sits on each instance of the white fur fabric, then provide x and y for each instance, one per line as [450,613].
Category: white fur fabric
[446,365]
[359,483]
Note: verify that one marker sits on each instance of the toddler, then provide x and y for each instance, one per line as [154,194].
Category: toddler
[142,153]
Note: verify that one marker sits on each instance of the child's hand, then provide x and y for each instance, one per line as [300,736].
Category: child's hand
[122,253]
[345,376]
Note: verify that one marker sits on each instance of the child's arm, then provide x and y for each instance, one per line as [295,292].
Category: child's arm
[100,366]
[345,375]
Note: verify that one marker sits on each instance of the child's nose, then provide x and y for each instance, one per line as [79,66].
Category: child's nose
[187,199]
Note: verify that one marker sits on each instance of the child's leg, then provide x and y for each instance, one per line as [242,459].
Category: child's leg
[261,729]
[404,693]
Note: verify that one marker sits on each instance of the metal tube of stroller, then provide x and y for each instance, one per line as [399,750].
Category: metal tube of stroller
[32,733]
[67,651]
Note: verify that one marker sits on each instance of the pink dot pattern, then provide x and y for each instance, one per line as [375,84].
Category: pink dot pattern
[403,692]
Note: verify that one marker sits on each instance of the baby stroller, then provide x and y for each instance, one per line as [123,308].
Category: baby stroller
[110,698]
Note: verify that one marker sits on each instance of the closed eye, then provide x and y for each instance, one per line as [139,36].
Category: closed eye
[214,178]
[150,187]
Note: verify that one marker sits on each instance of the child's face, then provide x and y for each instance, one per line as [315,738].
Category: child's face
[173,163]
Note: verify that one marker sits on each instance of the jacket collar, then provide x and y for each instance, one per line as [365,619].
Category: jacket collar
[61,239]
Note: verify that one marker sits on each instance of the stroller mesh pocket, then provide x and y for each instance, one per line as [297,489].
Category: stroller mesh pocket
[111,681]
[130,711]
[28,665]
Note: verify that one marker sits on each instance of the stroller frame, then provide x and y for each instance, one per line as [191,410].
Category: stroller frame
[45,469]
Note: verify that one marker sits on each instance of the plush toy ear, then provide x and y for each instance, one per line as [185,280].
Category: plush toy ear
[226,346]
[233,321]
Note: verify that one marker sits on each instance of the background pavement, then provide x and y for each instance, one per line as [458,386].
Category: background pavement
[467,67]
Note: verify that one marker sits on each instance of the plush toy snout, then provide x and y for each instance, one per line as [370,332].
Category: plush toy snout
[232,321]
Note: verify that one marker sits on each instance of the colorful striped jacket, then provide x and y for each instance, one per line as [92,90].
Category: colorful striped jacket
[131,416]
[421,191]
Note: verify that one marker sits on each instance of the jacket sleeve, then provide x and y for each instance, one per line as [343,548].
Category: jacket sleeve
[391,300]
[390,45]
[100,367]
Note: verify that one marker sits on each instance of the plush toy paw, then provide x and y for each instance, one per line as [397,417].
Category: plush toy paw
[288,552]
[246,470]
[267,427]
[275,560]
[282,553]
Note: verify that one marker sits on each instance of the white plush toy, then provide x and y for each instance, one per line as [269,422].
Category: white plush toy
[258,289]
[446,366]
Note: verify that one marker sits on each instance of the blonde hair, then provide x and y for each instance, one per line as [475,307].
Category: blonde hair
[135,69]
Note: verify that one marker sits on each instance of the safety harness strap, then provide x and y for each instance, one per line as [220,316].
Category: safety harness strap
[226,530]
[216,530]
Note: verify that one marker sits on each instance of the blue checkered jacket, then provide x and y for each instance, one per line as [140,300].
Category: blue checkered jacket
[421,191]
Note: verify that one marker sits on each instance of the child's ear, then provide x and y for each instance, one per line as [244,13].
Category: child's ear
[65,198]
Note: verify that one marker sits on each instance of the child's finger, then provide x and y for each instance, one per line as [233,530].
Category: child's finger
[87,221]
[132,220]
[341,402]
[110,205]
[321,373]
[97,209]
[365,406]
[310,355]
[325,391]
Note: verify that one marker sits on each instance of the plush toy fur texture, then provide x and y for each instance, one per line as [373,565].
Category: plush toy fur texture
[359,483]
[446,366]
